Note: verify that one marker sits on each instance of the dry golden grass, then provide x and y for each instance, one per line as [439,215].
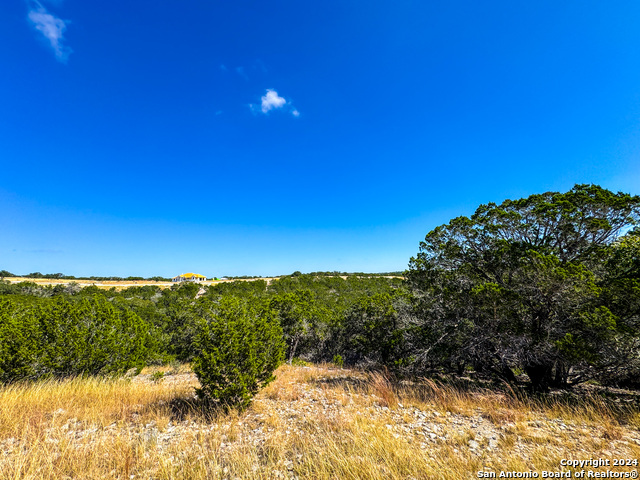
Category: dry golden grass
[122,284]
[118,284]
[311,423]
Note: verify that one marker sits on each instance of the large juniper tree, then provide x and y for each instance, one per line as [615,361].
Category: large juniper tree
[521,285]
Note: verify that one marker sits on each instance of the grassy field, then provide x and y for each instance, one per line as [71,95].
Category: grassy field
[121,284]
[315,422]
[118,284]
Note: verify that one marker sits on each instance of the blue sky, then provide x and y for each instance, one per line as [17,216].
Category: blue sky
[234,138]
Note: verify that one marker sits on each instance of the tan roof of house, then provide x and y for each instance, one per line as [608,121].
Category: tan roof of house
[191,275]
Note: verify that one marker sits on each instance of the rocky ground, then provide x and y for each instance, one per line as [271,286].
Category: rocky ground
[319,422]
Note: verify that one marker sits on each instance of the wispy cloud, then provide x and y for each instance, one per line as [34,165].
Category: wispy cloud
[272,101]
[240,71]
[45,250]
[51,27]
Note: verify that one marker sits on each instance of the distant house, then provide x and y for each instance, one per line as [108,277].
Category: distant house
[189,277]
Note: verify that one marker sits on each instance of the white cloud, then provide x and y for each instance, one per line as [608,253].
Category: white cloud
[272,100]
[52,28]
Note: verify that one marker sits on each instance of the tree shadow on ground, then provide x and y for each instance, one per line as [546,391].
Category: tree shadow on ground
[194,407]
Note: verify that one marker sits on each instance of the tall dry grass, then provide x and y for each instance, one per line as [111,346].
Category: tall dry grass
[312,423]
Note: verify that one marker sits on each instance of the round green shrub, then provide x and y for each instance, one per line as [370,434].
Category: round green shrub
[238,347]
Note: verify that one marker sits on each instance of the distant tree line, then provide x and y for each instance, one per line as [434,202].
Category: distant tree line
[346,274]
[241,277]
[334,273]
[62,276]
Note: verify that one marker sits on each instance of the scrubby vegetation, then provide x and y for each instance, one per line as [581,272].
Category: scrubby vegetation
[496,351]
[58,338]
[237,348]
[542,292]
[548,285]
